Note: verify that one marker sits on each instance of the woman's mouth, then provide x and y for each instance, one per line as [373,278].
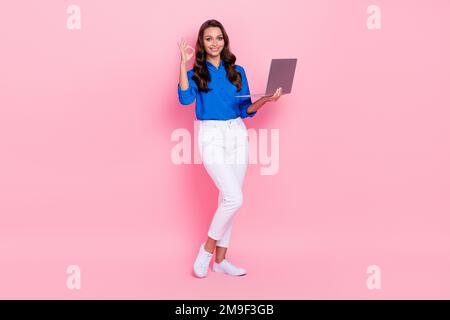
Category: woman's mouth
[214,49]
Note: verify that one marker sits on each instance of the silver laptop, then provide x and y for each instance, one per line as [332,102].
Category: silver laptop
[281,75]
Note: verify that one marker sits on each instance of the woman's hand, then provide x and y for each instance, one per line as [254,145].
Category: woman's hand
[185,55]
[276,95]
[260,102]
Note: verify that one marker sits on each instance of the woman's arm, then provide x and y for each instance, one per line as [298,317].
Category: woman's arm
[184,82]
[260,102]
[257,104]
[187,90]
[185,57]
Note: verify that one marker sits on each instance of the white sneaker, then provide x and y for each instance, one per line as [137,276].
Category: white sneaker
[227,267]
[202,262]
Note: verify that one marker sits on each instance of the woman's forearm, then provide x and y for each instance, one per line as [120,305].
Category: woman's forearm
[257,104]
[184,82]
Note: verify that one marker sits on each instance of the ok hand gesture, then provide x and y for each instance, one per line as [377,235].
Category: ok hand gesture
[184,48]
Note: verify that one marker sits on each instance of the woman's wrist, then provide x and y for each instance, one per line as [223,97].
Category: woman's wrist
[265,99]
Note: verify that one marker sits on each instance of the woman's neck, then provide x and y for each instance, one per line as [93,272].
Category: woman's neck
[214,60]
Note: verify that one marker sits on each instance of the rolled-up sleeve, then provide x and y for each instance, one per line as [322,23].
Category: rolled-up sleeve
[188,96]
[247,101]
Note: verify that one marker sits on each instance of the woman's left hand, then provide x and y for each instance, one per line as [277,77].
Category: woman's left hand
[276,95]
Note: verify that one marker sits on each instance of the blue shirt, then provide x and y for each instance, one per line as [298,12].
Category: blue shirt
[219,103]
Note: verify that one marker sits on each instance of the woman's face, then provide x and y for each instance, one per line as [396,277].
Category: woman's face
[213,41]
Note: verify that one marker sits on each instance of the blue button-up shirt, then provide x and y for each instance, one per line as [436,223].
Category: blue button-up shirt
[220,102]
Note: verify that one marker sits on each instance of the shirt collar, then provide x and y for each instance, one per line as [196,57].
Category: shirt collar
[209,64]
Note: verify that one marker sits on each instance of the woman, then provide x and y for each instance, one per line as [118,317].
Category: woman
[214,82]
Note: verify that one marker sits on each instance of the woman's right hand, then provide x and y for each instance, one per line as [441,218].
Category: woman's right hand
[184,48]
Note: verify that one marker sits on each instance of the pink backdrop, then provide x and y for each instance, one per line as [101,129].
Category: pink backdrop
[87,178]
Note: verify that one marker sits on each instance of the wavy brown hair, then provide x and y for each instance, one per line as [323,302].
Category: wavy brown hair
[201,73]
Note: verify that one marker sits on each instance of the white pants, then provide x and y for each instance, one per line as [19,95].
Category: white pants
[223,146]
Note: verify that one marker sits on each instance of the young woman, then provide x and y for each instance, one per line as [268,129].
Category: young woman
[214,82]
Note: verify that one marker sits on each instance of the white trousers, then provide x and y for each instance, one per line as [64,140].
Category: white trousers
[223,146]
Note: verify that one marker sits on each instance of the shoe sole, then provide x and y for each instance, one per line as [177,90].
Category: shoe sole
[199,276]
[234,275]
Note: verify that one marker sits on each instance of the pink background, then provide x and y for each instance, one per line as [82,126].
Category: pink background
[86,176]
